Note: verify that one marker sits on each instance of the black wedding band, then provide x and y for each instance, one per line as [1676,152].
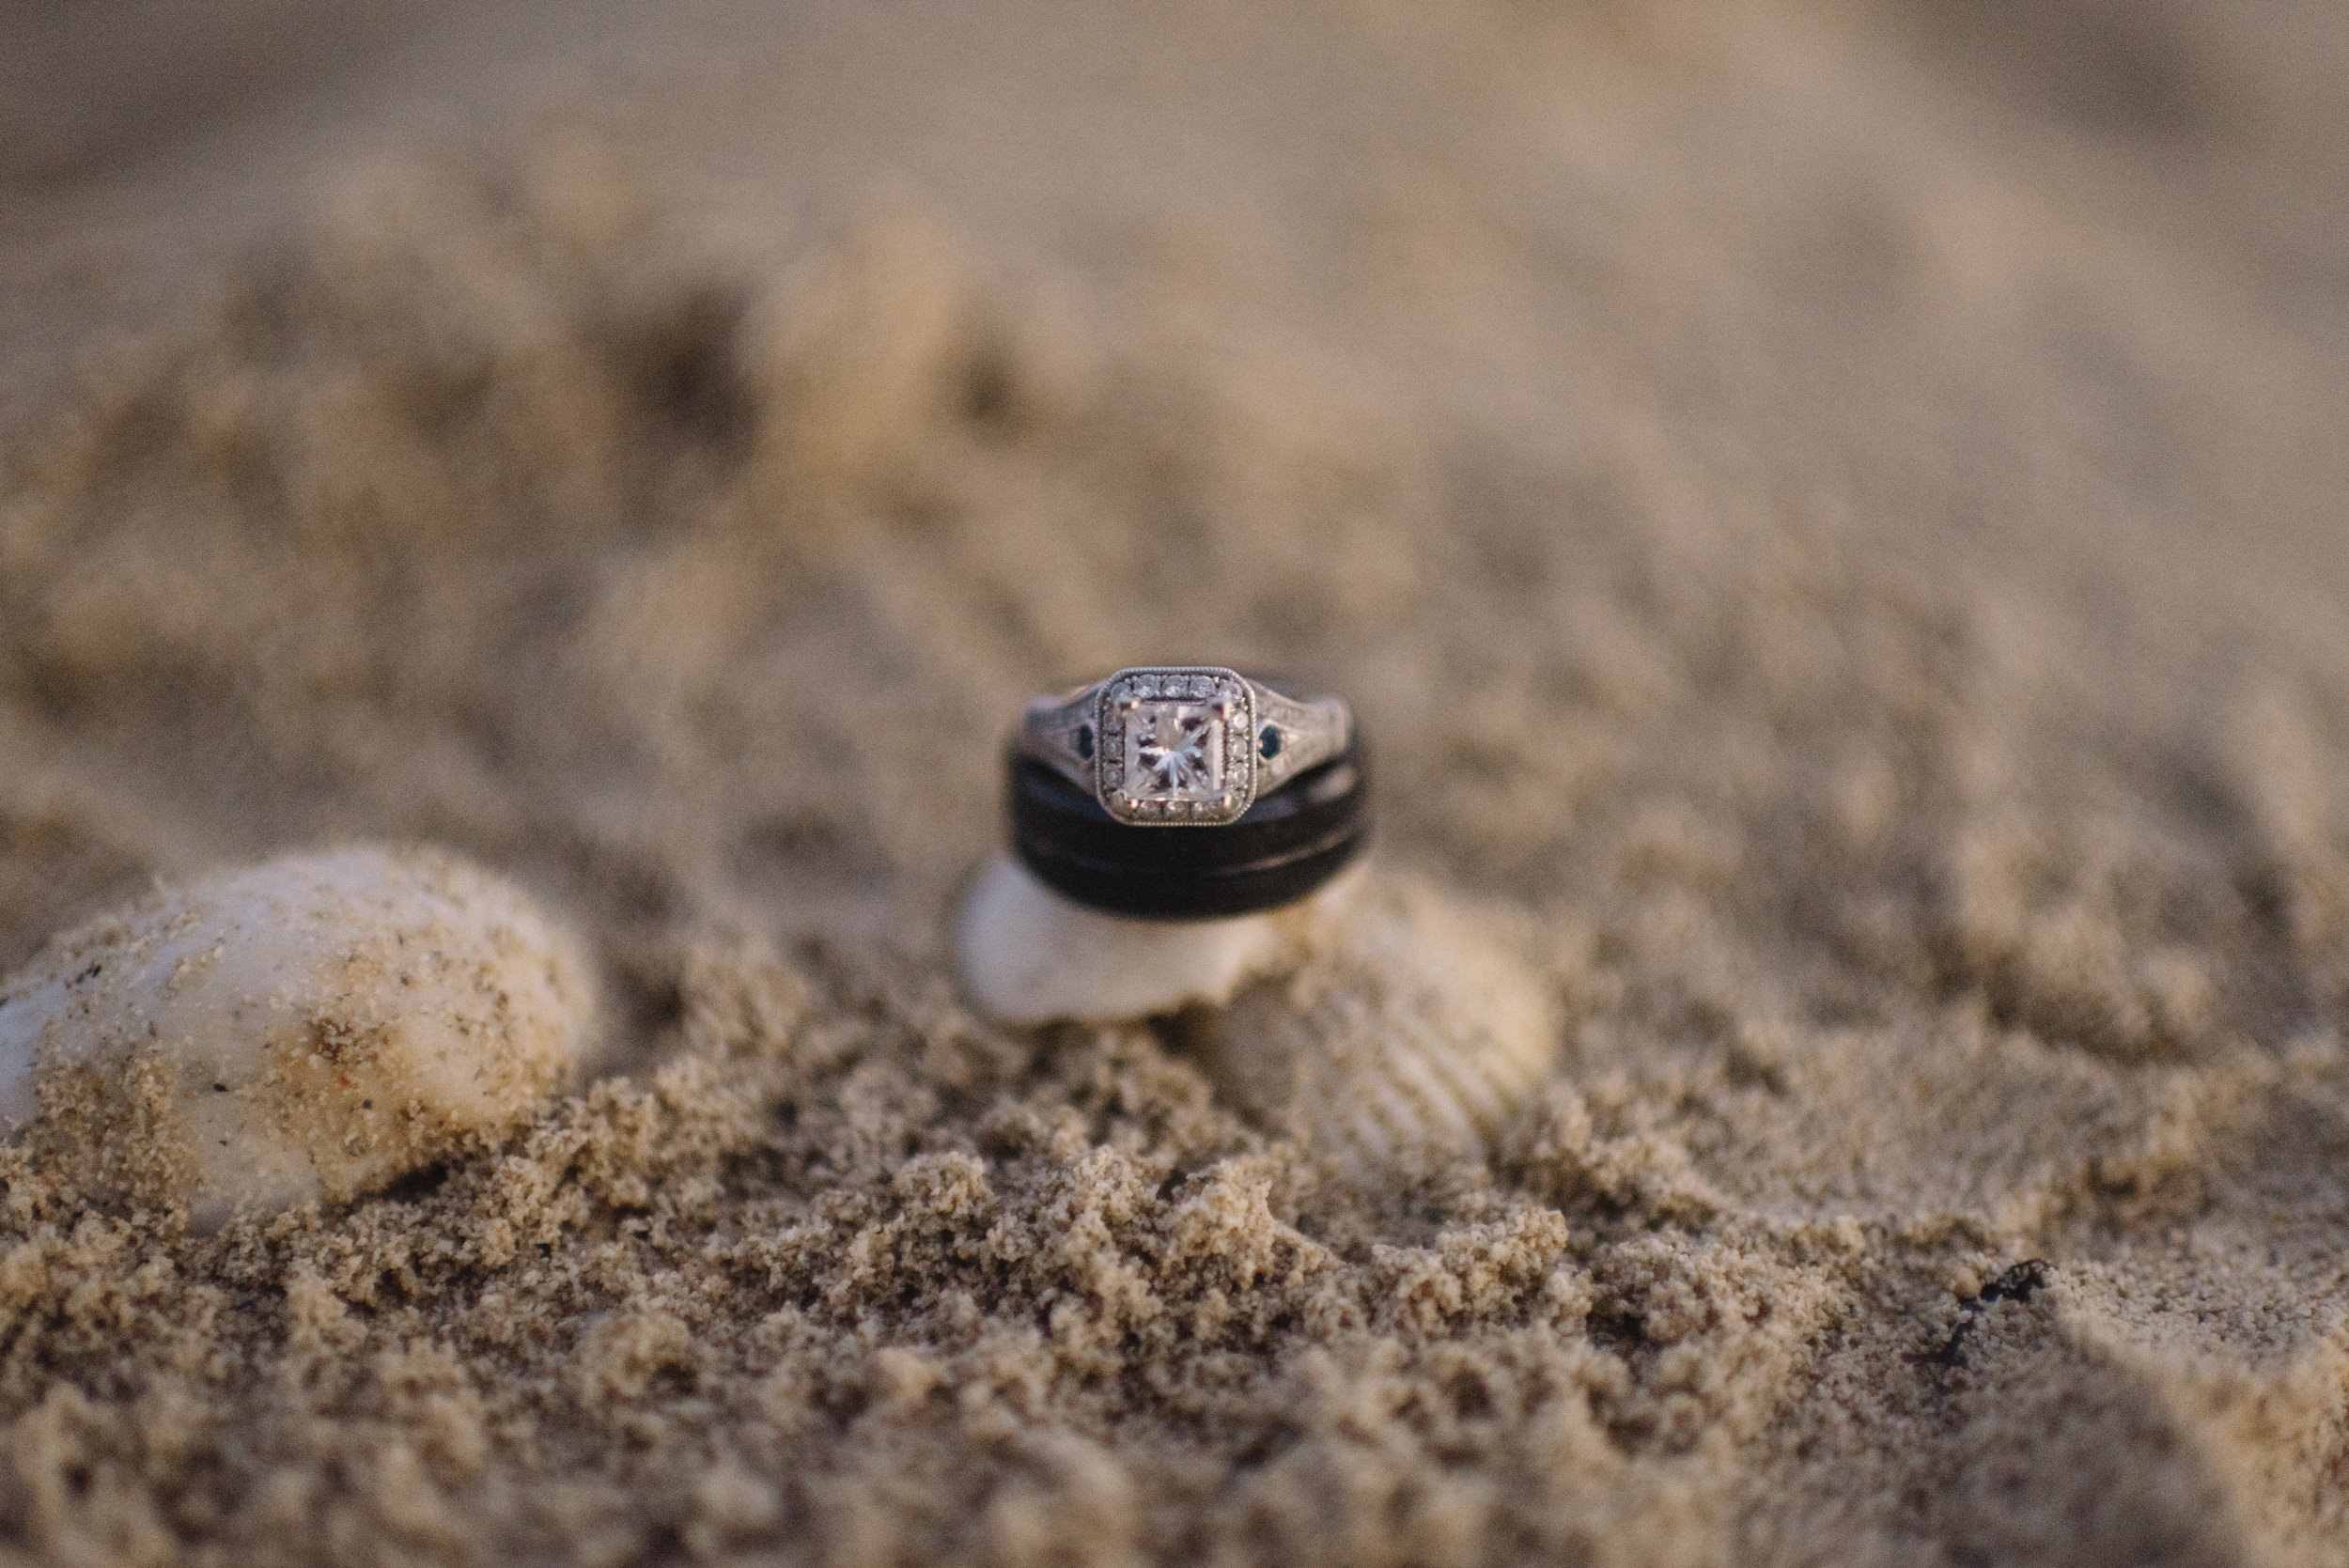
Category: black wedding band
[1287,846]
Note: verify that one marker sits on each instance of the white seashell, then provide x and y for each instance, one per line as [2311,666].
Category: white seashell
[314,1026]
[1411,1036]
[1027,955]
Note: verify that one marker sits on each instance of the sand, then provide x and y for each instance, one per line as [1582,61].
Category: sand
[1830,513]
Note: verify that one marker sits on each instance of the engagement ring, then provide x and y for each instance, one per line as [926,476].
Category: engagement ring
[1190,746]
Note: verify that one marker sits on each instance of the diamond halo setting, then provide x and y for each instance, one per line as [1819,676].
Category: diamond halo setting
[1177,746]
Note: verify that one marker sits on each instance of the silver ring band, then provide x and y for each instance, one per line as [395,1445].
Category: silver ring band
[1182,746]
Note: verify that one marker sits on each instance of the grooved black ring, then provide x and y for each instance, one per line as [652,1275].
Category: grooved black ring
[1284,847]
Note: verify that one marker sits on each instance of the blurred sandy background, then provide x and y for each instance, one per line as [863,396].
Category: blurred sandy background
[1834,511]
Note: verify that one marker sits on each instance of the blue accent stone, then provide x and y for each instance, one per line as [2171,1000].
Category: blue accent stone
[1268,743]
[1084,741]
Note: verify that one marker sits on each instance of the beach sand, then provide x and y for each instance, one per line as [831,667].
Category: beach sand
[1832,518]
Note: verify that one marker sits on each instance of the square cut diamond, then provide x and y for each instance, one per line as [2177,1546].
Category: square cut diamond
[1174,750]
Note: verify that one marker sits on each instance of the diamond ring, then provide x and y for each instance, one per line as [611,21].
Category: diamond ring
[1188,746]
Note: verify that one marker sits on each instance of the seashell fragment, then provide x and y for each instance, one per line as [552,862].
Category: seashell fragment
[314,1026]
[1417,1029]
[1027,955]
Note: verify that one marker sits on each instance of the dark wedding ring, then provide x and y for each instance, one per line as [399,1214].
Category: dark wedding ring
[1287,846]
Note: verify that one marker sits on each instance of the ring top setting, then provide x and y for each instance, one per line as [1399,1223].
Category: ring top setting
[1182,746]
[1177,745]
